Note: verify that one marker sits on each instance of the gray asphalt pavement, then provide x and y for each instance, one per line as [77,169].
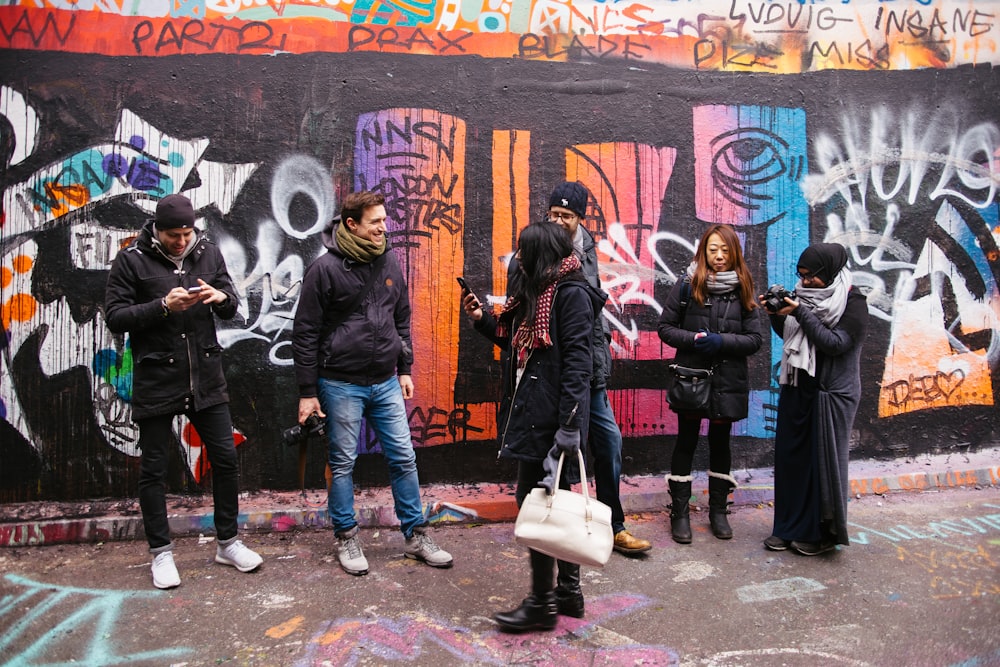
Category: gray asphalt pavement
[920,585]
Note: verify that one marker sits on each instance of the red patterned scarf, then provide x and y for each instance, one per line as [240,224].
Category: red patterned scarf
[528,338]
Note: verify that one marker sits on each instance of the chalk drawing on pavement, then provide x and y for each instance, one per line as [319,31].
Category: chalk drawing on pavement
[412,637]
[792,587]
[81,610]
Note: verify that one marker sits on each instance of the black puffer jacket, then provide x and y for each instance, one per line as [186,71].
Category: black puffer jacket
[740,331]
[177,359]
[555,387]
[373,343]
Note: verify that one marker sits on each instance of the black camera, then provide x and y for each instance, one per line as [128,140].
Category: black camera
[774,298]
[313,426]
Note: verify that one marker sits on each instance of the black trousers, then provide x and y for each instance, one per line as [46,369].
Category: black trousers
[215,428]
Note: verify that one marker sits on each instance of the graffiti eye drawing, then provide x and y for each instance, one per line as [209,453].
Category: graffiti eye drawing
[744,160]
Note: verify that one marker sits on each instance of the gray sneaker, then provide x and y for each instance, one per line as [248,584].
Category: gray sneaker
[352,558]
[422,547]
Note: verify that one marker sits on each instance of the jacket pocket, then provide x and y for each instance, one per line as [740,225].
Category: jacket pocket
[156,376]
[534,416]
[209,365]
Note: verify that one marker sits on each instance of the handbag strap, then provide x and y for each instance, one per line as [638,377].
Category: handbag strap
[685,297]
[583,475]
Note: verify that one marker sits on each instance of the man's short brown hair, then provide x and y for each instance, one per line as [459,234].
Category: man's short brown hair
[356,203]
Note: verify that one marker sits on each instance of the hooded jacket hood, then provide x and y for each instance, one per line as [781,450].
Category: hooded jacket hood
[329,236]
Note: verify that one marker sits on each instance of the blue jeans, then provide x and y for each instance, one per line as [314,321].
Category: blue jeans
[215,428]
[345,405]
[606,447]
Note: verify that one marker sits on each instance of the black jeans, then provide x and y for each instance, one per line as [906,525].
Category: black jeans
[215,428]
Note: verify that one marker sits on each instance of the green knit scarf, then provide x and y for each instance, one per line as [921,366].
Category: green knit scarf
[357,248]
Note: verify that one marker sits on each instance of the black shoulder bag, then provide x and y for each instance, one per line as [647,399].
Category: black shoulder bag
[691,389]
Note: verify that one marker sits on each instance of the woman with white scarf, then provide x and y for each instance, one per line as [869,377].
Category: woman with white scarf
[823,326]
[710,317]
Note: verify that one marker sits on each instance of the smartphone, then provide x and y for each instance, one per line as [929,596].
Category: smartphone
[194,290]
[464,285]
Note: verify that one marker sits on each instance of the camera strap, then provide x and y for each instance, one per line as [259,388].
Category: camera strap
[365,290]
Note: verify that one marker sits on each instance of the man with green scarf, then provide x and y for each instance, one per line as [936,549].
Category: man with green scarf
[352,352]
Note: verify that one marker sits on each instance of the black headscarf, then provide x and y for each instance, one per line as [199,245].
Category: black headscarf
[823,260]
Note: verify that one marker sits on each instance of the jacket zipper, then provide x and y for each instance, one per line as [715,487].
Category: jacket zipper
[517,385]
[187,338]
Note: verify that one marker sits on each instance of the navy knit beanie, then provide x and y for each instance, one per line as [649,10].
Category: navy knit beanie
[572,195]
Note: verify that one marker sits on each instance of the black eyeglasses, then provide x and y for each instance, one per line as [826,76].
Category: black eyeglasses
[556,216]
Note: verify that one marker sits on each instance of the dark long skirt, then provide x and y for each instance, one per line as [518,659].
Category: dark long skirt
[810,464]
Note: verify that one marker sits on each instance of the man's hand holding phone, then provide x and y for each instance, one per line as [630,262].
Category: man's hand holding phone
[180,299]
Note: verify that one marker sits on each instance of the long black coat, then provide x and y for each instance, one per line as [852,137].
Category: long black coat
[740,331]
[177,359]
[602,332]
[555,387]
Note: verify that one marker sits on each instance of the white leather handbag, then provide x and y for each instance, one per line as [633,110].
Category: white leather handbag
[566,525]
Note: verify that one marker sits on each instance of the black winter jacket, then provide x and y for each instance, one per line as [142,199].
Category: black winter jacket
[740,330]
[177,359]
[602,332]
[555,387]
[373,343]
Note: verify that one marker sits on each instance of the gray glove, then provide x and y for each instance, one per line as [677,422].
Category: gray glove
[567,440]
[550,465]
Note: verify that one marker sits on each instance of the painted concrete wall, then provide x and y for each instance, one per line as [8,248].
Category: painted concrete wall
[872,124]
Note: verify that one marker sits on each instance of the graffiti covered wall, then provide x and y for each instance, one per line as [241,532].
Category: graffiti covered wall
[872,124]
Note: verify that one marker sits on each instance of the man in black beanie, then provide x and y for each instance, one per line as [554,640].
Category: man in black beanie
[165,291]
[568,208]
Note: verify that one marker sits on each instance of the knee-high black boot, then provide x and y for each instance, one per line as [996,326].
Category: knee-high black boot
[680,508]
[538,610]
[719,487]
[569,597]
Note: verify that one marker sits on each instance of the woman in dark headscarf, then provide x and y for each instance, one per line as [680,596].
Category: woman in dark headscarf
[823,327]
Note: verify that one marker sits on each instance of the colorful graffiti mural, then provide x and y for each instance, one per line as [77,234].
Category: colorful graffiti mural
[738,36]
[465,140]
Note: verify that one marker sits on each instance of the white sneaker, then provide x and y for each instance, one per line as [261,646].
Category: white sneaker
[352,558]
[238,555]
[422,547]
[164,571]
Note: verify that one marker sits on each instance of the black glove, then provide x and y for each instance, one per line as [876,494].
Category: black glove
[567,440]
[709,344]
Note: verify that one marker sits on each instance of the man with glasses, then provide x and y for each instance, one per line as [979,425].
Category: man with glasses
[568,208]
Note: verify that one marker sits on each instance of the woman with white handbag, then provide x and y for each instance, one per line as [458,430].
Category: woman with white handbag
[545,333]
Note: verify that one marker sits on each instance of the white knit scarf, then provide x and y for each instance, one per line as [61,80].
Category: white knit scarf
[828,303]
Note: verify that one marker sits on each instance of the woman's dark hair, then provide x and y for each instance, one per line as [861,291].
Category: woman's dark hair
[701,270]
[542,246]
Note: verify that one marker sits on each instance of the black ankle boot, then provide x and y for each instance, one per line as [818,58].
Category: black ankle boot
[569,597]
[719,489]
[680,510]
[537,612]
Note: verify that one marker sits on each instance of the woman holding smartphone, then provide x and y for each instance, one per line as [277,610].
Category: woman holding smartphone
[545,333]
